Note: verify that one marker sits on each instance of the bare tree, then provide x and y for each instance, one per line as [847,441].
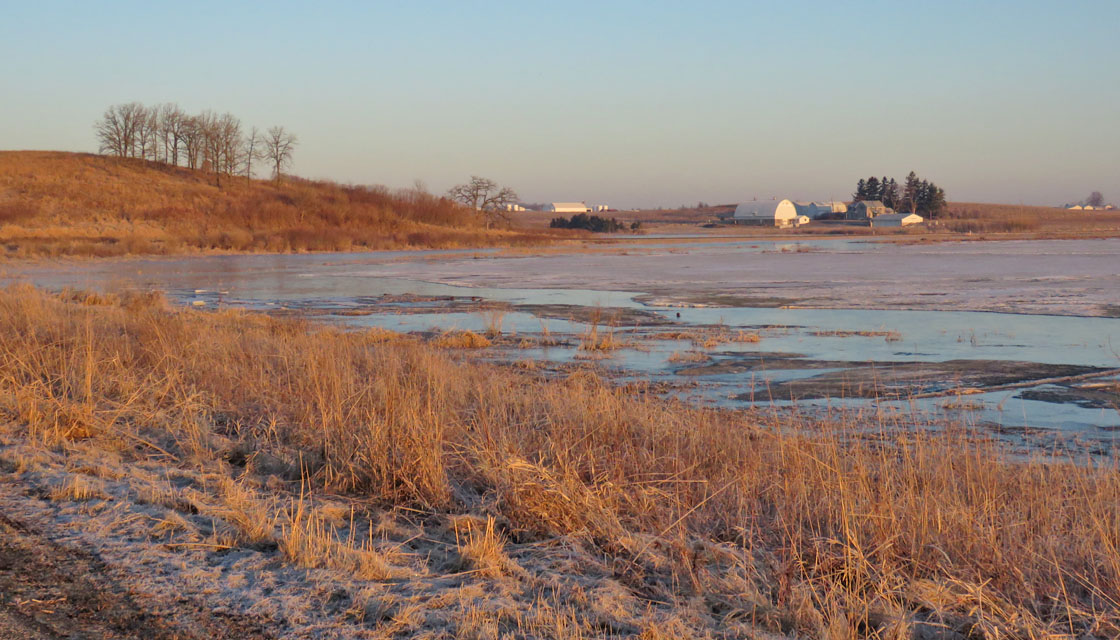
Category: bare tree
[1095,199]
[146,126]
[221,144]
[193,141]
[485,196]
[111,136]
[209,145]
[252,152]
[278,147]
[171,127]
[118,128]
[207,141]
[231,142]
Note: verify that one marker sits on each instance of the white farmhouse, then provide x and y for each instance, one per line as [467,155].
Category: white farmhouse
[567,207]
[777,213]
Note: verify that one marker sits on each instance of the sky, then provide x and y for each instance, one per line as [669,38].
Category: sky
[631,104]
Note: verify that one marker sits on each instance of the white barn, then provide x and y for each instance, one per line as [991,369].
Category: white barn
[567,207]
[778,213]
[896,220]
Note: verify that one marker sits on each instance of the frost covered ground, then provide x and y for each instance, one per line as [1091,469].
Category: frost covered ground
[173,551]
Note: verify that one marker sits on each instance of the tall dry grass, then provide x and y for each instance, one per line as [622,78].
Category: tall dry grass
[55,203]
[804,528]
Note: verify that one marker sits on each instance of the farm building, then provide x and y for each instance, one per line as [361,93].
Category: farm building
[896,220]
[867,209]
[567,207]
[514,207]
[817,210]
[778,213]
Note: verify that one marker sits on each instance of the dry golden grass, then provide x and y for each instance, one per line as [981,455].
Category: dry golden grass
[307,539]
[689,356]
[481,547]
[61,204]
[595,340]
[709,338]
[461,340]
[800,528]
[78,488]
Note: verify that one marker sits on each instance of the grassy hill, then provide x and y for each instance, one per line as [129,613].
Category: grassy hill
[58,203]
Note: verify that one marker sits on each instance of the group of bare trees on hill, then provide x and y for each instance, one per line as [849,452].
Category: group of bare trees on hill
[208,141]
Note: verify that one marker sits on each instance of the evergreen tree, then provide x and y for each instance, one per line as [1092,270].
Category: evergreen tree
[873,189]
[911,192]
[934,200]
[861,191]
[890,193]
[923,198]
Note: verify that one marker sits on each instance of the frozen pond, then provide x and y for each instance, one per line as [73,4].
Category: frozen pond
[1019,335]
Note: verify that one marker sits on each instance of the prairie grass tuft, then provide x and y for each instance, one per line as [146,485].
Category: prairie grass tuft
[482,549]
[461,340]
[78,487]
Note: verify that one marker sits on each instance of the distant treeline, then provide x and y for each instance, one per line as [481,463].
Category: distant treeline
[217,143]
[592,223]
[916,196]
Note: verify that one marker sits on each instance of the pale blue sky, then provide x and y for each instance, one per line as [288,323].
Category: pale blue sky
[628,103]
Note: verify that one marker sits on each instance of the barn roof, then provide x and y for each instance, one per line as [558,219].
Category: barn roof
[762,208]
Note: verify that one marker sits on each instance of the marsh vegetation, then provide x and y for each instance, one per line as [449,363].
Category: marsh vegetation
[342,451]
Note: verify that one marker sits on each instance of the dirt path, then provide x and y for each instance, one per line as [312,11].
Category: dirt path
[50,591]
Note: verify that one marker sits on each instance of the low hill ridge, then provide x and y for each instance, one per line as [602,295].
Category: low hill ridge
[55,203]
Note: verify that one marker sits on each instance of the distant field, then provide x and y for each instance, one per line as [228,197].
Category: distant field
[976,217]
[651,216]
[56,203]
[961,218]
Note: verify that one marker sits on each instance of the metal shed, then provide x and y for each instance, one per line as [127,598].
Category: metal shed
[779,213]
